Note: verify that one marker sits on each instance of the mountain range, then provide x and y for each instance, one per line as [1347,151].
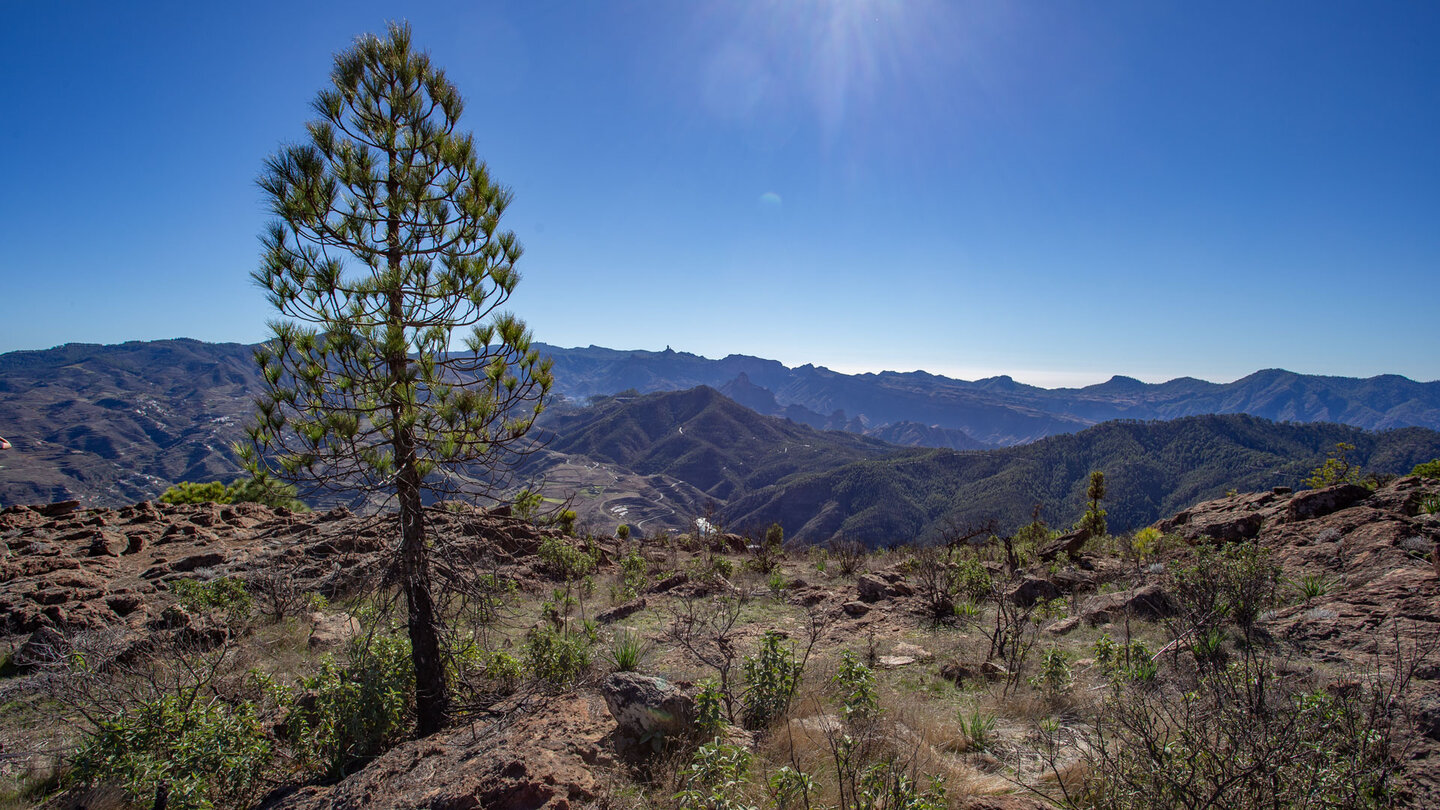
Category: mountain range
[920,408]
[656,438]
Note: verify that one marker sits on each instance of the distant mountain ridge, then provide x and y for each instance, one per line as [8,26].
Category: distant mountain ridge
[997,411]
[117,424]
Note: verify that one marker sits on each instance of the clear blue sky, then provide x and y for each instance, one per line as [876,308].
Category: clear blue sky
[1058,191]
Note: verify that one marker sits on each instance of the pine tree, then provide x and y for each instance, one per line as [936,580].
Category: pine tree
[1093,521]
[386,241]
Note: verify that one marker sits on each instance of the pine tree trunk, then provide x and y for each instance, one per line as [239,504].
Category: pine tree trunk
[431,695]
[432,698]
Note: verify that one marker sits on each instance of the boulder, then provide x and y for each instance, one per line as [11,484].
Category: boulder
[1319,502]
[1031,590]
[619,612]
[959,673]
[196,561]
[855,609]
[1070,544]
[108,544]
[330,631]
[646,707]
[44,646]
[57,509]
[670,583]
[873,588]
[1148,602]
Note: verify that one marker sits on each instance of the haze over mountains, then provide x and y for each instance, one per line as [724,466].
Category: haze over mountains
[814,449]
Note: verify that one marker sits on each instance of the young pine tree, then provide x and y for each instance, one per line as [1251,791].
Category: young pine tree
[386,241]
[1093,521]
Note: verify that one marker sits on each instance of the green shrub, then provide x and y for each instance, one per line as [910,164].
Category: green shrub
[527,504]
[182,753]
[1237,582]
[196,492]
[709,709]
[348,714]
[715,778]
[790,788]
[887,786]
[859,699]
[1336,469]
[555,657]
[1429,469]
[565,560]
[1244,738]
[967,612]
[634,574]
[1313,586]
[267,491]
[1055,675]
[565,520]
[771,675]
[226,595]
[972,580]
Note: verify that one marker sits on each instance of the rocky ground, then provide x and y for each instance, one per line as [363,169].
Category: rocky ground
[67,570]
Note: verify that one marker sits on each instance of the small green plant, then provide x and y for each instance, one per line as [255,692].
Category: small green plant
[978,728]
[1130,661]
[353,711]
[972,580]
[226,593]
[1208,646]
[1092,523]
[555,657]
[627,651]
[771,675]
[179,752]
[527,504]
[709,709]
[769,550]
[504,668]
[226,596]
[715,778]
[859,699]
[634,574]
[711,566]
[623,531]
[886,785]
[1144,544]
[790,788]
[1430,504]
[776,583]
[566,560]
[564,520]
[967,612]
[1055,675]
[1314,586]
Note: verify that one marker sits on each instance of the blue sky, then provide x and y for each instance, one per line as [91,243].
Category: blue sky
[1056,191]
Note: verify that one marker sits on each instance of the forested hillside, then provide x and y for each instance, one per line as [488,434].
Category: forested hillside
[1152,468]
